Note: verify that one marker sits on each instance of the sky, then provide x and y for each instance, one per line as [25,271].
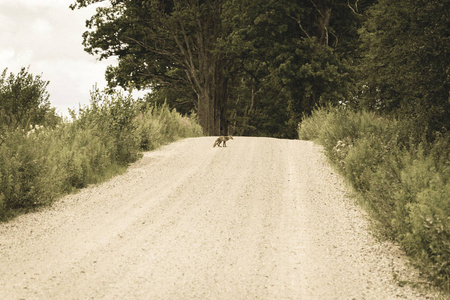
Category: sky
[46,36]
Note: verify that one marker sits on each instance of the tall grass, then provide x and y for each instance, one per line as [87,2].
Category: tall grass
[404,180]
[38,166]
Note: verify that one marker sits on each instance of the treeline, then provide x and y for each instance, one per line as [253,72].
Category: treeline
[255,67]
[43,157]
[248,67]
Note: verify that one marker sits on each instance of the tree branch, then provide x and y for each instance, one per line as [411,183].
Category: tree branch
[320,12]
[300,25]
[354,10]
[337,39]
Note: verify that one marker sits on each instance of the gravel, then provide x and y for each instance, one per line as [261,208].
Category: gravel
[260,219]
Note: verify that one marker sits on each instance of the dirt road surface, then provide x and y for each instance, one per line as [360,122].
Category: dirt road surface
[261,219]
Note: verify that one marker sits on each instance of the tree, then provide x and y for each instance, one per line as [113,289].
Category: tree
[406,64]
[24,101]
[298,53]
[165,43]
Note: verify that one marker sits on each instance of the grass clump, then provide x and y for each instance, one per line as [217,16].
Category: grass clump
[404,179]
[40,164]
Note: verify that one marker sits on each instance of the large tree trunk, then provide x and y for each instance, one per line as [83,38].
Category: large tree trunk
[203,112]
[220,94]
[212,108]
[212,95]
[204,66]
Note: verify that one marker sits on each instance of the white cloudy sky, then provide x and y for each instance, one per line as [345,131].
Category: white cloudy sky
[46,36]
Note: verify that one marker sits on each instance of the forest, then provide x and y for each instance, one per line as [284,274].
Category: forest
[367,79]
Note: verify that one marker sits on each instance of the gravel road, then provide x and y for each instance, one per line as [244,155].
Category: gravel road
[261,219]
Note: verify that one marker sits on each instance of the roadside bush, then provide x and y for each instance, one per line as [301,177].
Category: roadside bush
[39,165]
[424,225]
[84,156]
[27,178]
[158,125]
[149,128]
[311,127]
[112,117]
[403,179]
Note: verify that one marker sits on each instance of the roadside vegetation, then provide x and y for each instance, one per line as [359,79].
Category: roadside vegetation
[403,180]
[391,137]
[43,159]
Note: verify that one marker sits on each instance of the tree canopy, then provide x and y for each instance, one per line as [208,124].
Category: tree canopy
[255,67]
[406,63]
[164,43]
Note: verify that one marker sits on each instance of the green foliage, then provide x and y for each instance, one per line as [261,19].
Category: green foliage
[180,97]
[405,185]
[311,127]
[291,57]
[252,65]
[84,156]
[27,177]
[159,125]
[24,101]
[406,61]
[164,44]
[39,165]
[426,188]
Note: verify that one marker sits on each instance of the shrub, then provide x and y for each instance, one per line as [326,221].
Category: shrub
[24,100]
[310,127]
[158,125]
[27,179]
[423,222]
[112,116]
